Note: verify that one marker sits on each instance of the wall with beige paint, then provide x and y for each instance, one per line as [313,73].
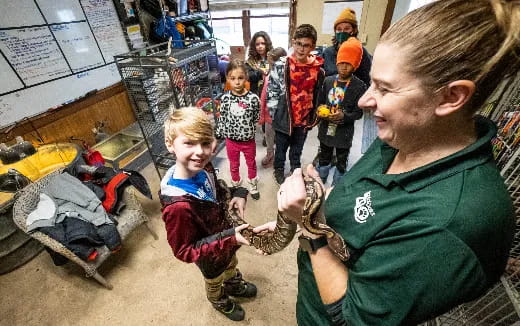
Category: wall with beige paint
[311,12]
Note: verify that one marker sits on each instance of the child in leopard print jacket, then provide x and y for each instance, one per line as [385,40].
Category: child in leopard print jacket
[239,114]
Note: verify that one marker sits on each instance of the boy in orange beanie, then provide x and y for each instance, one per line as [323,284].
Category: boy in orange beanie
[340,93]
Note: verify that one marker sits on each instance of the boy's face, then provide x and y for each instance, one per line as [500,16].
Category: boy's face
[191,155]
[345,69]
[302,48]
[345,27]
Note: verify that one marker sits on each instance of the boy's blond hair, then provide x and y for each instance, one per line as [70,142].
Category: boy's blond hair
[192,122]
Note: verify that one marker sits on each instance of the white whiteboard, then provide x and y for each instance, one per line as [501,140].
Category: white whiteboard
[19,13]
[332,9]
[103,19]
[78,45]
[34,54]
[9,81]
[53,52]
[60,11]
[21,104]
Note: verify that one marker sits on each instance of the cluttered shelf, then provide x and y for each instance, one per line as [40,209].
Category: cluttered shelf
[162,78]
[158,55]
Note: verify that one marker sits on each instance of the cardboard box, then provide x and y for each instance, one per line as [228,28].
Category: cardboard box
[238,52]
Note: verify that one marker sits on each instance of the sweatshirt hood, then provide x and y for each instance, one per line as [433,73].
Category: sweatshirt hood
[174,191]
[168,190]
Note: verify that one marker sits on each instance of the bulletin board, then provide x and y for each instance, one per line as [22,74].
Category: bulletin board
[331,10]
[53,52]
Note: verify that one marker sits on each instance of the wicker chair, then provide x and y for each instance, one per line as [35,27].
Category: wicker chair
[131,217]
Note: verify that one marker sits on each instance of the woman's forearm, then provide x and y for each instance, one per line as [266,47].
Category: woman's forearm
[330,273]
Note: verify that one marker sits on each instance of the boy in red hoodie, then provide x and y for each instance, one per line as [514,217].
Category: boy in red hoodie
[194,211]
[292,96]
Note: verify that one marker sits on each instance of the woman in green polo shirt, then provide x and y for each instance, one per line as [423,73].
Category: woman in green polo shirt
[424,213]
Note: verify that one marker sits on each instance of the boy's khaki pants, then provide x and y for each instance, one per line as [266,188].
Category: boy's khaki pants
[214,289]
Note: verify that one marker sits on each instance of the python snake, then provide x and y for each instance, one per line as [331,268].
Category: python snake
[271,242]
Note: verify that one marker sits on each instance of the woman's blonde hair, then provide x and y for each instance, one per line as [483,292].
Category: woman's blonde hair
[192,122]
[448,40]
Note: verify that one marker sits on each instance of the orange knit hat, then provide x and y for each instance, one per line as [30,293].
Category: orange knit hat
[351,52]
[348,15]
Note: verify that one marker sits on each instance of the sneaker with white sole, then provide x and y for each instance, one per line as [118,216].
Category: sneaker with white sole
[253,188]
[235,184]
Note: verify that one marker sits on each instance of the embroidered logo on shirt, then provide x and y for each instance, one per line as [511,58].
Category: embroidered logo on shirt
[363,208]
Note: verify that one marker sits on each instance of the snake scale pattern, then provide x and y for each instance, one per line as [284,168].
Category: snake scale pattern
[312,220]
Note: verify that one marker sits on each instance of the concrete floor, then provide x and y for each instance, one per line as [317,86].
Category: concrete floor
[151,287]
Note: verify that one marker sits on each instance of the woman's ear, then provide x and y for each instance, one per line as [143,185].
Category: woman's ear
[454,96]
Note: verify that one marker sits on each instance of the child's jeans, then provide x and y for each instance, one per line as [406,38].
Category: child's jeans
[214,289]
[324,162]
[233,149]
[294,143]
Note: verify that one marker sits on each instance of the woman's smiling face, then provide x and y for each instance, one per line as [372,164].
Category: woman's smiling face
[402,108]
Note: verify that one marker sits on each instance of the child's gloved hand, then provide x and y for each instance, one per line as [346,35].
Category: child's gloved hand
[240,239]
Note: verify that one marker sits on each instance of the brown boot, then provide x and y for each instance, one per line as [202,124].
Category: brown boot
[268,160]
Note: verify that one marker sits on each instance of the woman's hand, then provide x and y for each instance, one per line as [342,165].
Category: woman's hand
[238,204]
[291,196]
[240,239]
[312,172]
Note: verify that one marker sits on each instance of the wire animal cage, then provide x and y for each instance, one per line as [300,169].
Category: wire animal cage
[159,79]
[501,304]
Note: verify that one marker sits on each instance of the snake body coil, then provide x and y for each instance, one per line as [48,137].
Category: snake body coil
[281,236]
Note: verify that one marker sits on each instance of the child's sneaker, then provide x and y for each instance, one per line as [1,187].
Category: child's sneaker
[253,188]
[236,183]
[230,308]
[238,287]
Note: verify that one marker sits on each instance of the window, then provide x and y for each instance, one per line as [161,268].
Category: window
[402,7]
[414,4]
[227,26]
[227,32]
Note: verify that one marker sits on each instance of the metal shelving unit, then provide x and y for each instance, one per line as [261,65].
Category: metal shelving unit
[159,79]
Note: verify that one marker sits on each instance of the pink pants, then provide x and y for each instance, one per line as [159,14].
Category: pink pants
[234,148]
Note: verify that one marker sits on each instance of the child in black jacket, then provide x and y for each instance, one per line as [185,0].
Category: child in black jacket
[340,93]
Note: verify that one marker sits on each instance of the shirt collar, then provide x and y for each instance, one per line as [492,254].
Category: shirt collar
[475,154]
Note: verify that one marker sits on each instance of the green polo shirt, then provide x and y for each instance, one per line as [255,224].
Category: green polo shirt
[422,241]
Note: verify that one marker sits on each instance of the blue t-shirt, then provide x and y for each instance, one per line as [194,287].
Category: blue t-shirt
[198,186]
